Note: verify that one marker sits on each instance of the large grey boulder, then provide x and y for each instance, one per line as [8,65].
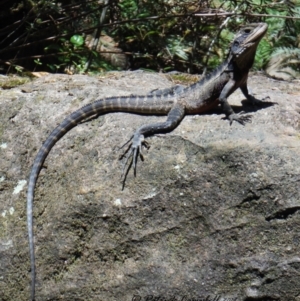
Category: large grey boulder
[214,211]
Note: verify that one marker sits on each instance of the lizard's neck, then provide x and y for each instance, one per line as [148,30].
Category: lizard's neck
[245,60]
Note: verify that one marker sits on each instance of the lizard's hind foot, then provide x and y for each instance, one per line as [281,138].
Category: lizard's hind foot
[134,149]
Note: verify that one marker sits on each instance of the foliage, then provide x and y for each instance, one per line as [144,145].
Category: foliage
[156,34]
[283,40]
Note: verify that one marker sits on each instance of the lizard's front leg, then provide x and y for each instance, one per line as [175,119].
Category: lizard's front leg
[227,90]
[175,116]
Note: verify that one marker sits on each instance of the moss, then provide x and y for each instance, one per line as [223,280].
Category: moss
[176,242]
[183,78]
[13,81]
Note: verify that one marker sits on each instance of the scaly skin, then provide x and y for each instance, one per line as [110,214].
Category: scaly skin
[200,97]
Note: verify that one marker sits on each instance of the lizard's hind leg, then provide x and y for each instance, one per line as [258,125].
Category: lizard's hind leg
[138,140]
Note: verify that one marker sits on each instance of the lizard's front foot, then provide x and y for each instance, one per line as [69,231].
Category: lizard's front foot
[257,102]
[134,149]
[242,119]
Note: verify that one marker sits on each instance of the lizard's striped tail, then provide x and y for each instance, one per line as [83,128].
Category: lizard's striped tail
[136,104]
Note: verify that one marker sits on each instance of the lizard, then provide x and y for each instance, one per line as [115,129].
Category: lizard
[212,90]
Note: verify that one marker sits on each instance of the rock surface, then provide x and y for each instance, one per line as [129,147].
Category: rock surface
[214,211]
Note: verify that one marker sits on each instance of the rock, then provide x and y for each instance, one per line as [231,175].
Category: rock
[214,211]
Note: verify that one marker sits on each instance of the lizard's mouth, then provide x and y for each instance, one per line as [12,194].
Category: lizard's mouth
[257,35]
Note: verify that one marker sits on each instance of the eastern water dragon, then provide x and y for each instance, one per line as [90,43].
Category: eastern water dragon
[200,97]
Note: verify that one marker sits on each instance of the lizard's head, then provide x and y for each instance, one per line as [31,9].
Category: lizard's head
[244,45]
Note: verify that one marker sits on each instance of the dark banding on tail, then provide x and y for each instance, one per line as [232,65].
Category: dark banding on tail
[150,104]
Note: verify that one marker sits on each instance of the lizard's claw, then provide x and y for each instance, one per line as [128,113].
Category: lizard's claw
[134,149]
[242,119]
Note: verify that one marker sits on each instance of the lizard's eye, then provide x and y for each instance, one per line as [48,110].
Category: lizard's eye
[247,30]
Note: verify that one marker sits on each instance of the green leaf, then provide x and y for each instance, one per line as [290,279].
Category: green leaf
[77,40]
[38,62]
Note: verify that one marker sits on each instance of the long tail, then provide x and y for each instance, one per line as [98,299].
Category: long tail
[135,104]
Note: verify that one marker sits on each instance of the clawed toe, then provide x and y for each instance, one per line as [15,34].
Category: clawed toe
[242,119]
[134,151]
